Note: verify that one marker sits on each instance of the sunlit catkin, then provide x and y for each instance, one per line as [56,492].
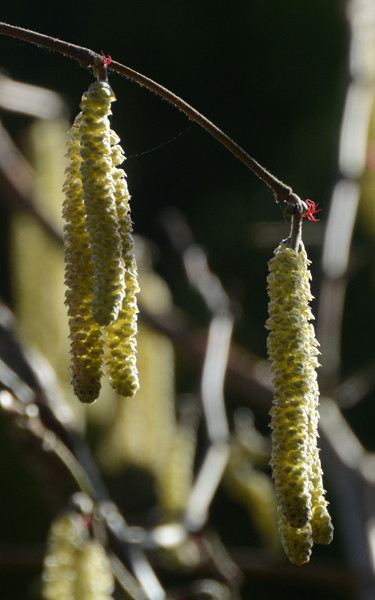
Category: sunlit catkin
[100,205]
[142,430]
[101,272]
[120,336]
[86,345]
[293,350]
[297,542]
[321,524]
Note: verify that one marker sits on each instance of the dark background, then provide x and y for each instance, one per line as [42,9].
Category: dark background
[271,74]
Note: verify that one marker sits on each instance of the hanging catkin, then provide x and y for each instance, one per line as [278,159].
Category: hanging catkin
[94,579]
[75,566]
[100,205]
[86,345]
[293,350]
[65,540]
[120,336]
[101,273]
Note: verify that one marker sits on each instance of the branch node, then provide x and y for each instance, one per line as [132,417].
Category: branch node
[99,67]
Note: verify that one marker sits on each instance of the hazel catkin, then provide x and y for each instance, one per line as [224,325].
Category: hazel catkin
[293,350]
[86,345]
[101,272]
[75,566]
[100,205]
[65,540]
[120,336]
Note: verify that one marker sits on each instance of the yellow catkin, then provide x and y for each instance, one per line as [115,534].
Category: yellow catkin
[85,335]
[322,528]
[254,490]
[75,567]
[101,272]
[142,428]
[175,475]
[37,265]
[297,542]
[120,336]
[293,350]
[94,579]
[100,204]
[66,538]
[366,208]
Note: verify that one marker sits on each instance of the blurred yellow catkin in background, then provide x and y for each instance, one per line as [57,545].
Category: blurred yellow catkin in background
[75,566]
[246,480]
[142,427]
[37,258]
[145,431]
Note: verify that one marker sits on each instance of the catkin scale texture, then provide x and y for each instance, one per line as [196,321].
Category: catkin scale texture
[293,350]
[120,336]
[298,542]
[86,345]
[101,272]
[100,204]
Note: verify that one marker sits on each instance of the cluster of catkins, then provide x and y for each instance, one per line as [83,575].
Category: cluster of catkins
[100,272]
[292,347]
[75,565]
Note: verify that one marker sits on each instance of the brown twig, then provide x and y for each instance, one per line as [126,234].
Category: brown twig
[88,58]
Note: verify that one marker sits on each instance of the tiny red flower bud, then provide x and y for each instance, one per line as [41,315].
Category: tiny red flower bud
[106,59]
[312,209]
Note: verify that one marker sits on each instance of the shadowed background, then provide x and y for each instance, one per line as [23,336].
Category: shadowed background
[273,76]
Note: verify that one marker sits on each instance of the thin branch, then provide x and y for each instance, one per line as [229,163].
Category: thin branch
[31,100]
[345,197]
[126,579]
[85,56]
[29,405]
[208,285]
[88,58]
[350,468]
[205,485]
[296,210]
[351,471]
[296,231]
[214,370]
[357,386]
[127,548]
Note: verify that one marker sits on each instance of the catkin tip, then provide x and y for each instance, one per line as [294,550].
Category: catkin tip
[322,527]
